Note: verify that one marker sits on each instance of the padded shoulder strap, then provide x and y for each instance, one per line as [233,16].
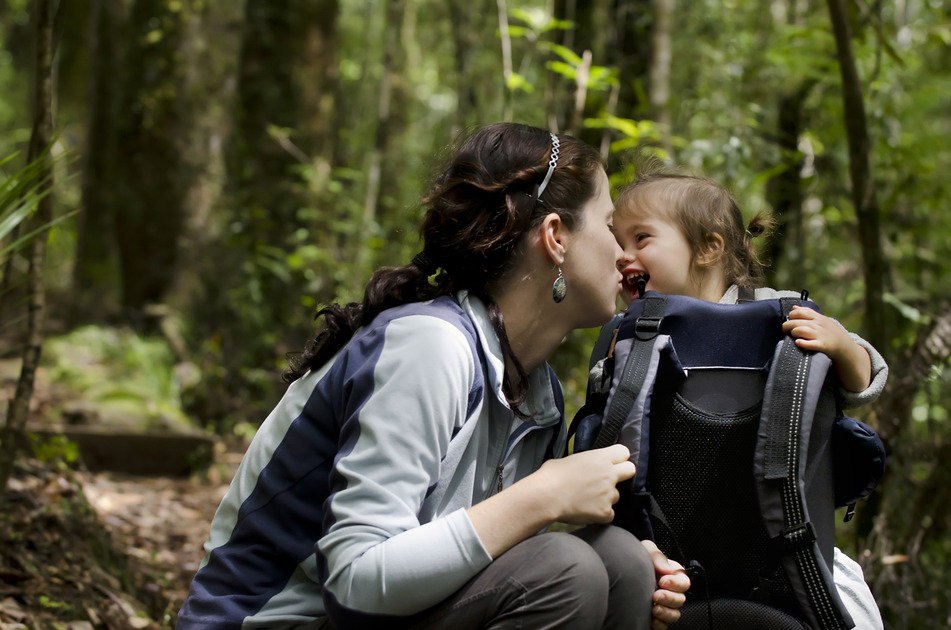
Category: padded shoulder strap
[646,329]
[786,408]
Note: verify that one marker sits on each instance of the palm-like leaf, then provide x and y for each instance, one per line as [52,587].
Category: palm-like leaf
[20,192]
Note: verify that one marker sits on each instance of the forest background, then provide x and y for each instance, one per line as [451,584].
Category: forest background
[214,171]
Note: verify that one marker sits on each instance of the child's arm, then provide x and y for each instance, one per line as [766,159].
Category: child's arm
[814,331]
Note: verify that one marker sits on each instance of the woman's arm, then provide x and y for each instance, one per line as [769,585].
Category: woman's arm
[375,556]
[578,489]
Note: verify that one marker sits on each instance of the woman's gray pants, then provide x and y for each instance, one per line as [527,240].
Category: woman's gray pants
[600,576]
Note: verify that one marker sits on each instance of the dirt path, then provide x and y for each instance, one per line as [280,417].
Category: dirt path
[162,521]
[50,573]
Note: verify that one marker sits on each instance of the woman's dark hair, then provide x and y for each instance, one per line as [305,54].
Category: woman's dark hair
[478,211]
[702,208]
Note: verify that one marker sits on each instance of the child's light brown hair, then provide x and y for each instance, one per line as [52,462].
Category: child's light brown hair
[703,208]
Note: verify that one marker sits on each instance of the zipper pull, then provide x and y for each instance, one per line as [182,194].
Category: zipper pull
[499,473]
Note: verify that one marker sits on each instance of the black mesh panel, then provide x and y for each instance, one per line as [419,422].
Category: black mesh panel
[734,614]
[701,473]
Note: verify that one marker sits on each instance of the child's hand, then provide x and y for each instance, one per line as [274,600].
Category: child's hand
[814,331]
[672,583]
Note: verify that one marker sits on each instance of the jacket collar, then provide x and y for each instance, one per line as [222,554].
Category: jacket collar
[540,402]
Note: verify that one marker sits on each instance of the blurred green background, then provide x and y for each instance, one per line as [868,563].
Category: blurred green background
[223,168]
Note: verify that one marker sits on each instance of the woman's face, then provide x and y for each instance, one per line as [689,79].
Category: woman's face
[591,261]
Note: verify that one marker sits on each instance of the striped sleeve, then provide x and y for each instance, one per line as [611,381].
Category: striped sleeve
[375,556]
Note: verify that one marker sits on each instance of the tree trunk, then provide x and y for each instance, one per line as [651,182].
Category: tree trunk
[630,50]
[606,133]
[555,91]
[284,120]
[95,268]
[154,172]
[863,186]
[660,70]
[370,219]
[582,75]
[507,69]
[594,43]
[40,139]
[784,193]
[464,22]
[316,78]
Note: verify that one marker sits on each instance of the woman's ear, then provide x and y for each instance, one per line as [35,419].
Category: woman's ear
[554,238]
[712,251]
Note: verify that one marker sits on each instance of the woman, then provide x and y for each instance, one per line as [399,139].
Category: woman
[401,480]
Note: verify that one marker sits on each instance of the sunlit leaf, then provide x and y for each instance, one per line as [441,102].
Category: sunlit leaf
[568,55]
[563,69]
[907,311]
[516,81]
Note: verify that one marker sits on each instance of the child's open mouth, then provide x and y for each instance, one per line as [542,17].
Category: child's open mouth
[636,283]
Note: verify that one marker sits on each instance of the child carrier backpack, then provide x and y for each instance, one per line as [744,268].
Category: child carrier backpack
[741,455]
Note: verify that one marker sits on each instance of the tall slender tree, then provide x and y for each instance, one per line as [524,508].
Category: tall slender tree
[784,190]
[465,43]
[381,140]
[659,95]
[863,184]
[629,48]
[40,139]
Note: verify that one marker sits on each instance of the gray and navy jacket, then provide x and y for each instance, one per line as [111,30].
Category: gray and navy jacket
[351,499]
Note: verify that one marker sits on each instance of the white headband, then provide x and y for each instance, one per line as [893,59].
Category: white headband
[555,143]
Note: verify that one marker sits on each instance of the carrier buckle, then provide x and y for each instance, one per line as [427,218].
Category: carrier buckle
[646,328]
[799,535]
[849,513]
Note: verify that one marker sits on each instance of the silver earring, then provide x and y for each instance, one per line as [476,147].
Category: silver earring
[560,288]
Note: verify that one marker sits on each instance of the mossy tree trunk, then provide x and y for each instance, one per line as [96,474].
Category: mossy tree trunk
[153,168]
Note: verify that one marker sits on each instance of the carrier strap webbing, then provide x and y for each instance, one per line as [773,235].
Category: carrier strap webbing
[781,463]
[646,329]
[656,513]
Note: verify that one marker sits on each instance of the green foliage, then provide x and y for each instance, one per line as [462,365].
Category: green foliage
[54,449]
[20,192]
[14,22]
[538,21]
[47,602]
[133,381]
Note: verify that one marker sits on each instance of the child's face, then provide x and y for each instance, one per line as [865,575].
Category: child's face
[655,250]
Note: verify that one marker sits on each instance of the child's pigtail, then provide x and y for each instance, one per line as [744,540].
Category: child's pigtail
[760,225]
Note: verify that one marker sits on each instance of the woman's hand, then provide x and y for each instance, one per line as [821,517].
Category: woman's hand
[583,487]
[814,331]
[578,489]
[672,583]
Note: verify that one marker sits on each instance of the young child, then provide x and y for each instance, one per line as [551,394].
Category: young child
[685,235]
